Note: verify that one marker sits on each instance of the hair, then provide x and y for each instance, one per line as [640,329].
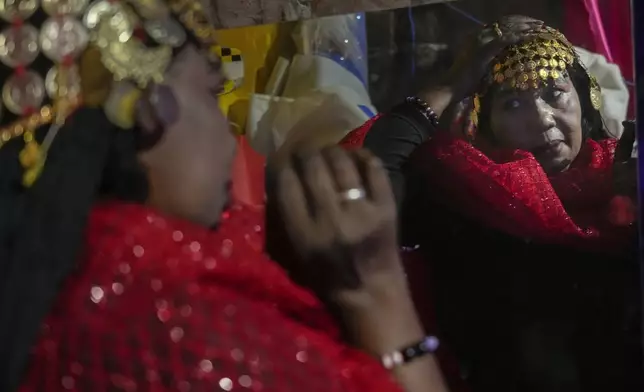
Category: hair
[592,124]
[42,228]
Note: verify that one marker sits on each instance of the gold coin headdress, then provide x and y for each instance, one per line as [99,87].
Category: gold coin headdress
[65,53]
[545,56]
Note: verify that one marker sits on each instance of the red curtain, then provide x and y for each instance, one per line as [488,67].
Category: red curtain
[604,27]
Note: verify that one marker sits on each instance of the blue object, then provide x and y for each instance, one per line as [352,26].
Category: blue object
[357,66]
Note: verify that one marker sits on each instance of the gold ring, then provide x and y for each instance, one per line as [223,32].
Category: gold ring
[497,30]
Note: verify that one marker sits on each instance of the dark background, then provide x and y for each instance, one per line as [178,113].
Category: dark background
[404,56]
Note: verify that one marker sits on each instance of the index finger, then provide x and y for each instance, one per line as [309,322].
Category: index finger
[291,201]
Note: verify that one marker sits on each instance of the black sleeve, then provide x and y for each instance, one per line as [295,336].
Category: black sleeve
[393,137]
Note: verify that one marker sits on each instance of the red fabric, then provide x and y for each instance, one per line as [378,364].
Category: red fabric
[603,27]
[355,138]
[248,174]
[163,305]
[510,192]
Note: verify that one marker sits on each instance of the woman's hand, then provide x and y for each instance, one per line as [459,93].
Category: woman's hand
[474,63]
[338,210]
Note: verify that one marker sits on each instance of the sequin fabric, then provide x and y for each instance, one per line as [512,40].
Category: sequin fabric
[508,190]
[162,305]
[355,138]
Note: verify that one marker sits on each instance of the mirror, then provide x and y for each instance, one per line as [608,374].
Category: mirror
[519,245]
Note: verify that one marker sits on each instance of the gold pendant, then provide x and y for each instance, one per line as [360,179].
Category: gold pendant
[596,98]
[32,159]
[133,60]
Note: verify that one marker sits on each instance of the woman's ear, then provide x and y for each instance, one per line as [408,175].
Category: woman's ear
[160,104]
[156,110]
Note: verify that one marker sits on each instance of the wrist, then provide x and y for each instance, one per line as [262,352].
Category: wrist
[380,330]
[438,98]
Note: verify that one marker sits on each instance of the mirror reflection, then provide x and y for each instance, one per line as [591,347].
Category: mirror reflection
[420,196]
[513,173]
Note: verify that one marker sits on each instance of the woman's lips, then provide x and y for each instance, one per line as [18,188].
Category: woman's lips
[549,148]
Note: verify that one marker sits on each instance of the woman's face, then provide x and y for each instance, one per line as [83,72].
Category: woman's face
[189,169]
[545,122]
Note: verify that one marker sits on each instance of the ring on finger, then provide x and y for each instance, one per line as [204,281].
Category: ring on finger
[353,194]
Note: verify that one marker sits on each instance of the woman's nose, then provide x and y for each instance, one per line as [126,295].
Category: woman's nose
[543,115]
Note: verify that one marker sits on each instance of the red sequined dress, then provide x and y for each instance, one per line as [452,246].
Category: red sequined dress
[524,275]
[162,305]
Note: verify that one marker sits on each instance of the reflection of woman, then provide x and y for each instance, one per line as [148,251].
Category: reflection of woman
[530,248]
[158,301]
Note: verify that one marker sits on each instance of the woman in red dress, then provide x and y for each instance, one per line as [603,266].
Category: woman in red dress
[505,180]
[125,266]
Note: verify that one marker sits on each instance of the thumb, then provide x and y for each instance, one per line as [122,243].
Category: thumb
[626,142]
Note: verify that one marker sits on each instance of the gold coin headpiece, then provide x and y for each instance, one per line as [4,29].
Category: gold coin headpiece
[89,45]
[545,56]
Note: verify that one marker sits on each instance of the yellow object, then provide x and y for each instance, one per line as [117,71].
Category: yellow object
[260,47]
[531,64]
[121,109]
[232,60]
[32,159]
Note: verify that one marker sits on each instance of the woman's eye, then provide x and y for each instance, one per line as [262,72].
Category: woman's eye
[511,104]
[554,95]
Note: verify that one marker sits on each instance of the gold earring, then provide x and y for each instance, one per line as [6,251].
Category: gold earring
[474,114]
[595,93]
[120,105]
[31,159]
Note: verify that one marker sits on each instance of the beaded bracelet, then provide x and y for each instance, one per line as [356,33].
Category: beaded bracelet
[429,345]
[424,108]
